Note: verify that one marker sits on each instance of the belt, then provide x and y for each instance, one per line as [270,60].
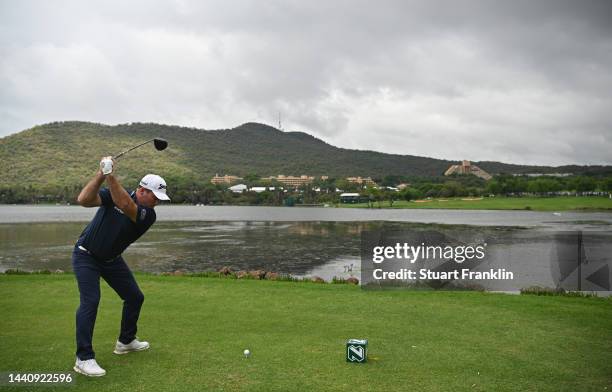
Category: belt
[84,249]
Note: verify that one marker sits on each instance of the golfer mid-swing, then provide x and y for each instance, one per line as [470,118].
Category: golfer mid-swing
[121,219]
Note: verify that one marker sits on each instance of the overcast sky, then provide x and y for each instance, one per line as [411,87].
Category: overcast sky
[527,82]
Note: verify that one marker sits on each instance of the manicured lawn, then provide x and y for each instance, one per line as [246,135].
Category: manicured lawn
[502,203]
[422,341]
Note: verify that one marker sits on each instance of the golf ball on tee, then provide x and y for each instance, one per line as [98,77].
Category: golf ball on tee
[247,353]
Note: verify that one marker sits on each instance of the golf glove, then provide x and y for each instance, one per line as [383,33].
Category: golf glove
[106,165]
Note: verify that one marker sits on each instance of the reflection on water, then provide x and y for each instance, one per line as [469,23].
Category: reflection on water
[298,248]
[301,248]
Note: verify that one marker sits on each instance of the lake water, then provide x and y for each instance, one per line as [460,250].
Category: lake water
[299,241]
[25,213]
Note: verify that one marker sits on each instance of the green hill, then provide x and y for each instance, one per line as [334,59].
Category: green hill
[65,154]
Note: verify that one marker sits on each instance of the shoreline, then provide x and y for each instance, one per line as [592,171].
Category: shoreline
[584,204]
[12,214]
[220,276]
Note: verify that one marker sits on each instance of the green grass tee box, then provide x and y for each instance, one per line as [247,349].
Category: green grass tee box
[297,332]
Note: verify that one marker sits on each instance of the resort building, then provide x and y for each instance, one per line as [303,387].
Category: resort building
[350,198]
[467,168]
[238,188]
[361,181]
[259,189]
[291,180]
[217,179]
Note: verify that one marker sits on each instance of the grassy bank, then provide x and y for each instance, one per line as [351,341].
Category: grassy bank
[503,203]
[426,341]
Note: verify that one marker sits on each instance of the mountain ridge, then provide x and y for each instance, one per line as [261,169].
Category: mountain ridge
[66,153]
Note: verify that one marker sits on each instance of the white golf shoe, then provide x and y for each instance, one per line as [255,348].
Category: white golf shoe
[134,345]
[89,367]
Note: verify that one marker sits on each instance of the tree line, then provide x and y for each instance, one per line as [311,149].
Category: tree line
[186,190]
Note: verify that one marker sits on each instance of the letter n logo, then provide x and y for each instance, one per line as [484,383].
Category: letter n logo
[355,353]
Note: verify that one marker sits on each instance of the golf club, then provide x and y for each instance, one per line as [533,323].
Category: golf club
[159,143]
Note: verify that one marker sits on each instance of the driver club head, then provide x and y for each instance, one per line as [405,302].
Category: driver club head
[160,144]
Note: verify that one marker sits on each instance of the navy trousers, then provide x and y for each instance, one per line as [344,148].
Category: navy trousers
[118,276]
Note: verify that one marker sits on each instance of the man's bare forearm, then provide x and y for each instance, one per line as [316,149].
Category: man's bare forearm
[89,194]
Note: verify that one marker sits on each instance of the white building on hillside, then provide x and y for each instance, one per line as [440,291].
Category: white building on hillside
[238,188]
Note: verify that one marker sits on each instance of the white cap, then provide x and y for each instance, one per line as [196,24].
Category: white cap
[155,184]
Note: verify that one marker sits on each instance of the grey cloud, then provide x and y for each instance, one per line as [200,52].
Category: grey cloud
[520,81]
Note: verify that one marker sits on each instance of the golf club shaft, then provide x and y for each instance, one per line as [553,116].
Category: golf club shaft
[132,148]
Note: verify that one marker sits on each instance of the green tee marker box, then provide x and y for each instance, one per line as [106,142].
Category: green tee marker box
[357,350]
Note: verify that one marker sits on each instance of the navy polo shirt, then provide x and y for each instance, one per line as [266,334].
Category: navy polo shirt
[110,232]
